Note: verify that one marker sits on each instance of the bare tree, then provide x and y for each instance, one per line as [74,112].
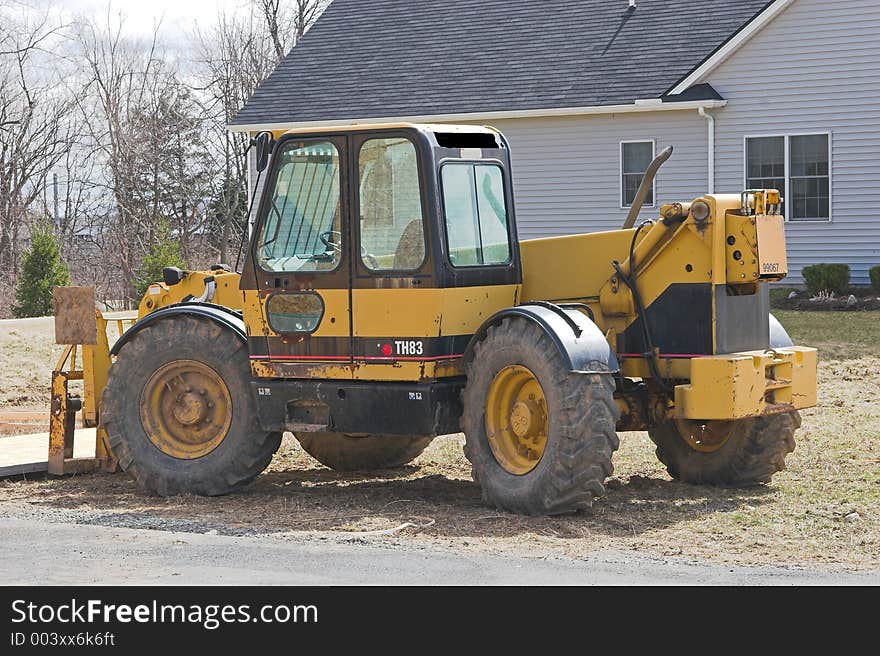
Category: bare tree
[33,127]
[235,55]
[142,121]
[132,139]
[305,13]
[287,21]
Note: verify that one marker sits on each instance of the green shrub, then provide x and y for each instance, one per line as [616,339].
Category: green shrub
[778,295]
[41,269]
[164,252]
[875,278]
[826,278]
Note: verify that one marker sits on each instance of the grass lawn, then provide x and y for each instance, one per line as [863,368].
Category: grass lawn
[838,335]
[825,509]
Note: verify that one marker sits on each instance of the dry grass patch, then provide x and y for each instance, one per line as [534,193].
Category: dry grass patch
[28,354]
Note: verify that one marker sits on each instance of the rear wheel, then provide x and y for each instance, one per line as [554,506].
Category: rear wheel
[179,413]
[737,453]
[539,437]
[362,453]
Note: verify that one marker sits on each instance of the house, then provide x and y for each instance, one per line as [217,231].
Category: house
[750,93]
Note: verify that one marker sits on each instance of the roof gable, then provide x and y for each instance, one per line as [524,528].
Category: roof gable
[379,58]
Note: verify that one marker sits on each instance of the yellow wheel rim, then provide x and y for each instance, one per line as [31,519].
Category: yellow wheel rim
[705,436]
[186,409]
[516,419]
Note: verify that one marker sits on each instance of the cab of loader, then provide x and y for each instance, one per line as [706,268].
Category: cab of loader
[378,251]
[385,299]
[428,206]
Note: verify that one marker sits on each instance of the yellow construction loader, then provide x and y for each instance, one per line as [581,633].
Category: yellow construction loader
[385,299]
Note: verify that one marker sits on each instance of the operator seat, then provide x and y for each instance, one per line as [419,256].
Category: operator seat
[410,251]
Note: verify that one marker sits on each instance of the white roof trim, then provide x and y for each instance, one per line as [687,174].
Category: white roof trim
[731,46]
[647,105]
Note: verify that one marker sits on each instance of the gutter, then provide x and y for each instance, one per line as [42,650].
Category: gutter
[711,125]
[647,105]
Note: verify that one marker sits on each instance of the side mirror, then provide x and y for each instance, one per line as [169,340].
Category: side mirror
[264,143]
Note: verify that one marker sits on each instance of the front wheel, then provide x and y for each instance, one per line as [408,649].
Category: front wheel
[539,437]
[738,453]
[178,412]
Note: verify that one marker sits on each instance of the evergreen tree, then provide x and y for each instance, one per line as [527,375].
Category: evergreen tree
[41,269]
[164,252]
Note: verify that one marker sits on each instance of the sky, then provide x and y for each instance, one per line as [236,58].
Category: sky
[177,16]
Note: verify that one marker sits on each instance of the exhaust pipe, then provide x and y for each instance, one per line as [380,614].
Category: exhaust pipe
[642,193]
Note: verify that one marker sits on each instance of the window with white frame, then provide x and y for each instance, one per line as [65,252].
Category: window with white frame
[635,158]
[799,166]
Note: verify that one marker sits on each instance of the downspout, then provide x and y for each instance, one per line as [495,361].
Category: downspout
[711,124]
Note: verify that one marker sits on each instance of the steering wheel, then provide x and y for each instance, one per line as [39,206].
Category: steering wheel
[326,239]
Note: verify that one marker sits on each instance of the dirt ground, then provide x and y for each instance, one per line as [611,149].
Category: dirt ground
[823,511]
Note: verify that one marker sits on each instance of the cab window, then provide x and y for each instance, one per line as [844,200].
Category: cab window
[303,226]
[476,214]
[392,231]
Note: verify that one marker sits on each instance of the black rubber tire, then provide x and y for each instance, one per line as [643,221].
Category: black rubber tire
[239,458]
[362,453]
[582,420]
[754,452]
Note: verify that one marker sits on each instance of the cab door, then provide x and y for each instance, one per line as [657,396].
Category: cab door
[297,309]
[397,308]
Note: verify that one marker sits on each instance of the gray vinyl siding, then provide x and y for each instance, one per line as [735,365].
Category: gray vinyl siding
[566,171]
[815,68]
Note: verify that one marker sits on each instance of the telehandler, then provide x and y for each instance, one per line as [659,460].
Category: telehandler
[384,299]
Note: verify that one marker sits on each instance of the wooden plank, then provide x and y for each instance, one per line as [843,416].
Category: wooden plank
[75,319]
[21,470]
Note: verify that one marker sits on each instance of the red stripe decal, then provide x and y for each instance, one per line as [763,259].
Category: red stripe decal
[339,358]
[670,356]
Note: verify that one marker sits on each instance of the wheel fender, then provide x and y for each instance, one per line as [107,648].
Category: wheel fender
[778,335]
[579,340]
[217,313]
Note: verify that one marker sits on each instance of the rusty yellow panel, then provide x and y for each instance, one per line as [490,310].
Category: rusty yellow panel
[722,205]
[465,309]
[679,368]
[804,387]
[749,384]
[681,254]
[741,246]
[58,438]
[226,292]
[427,312]
[571,267]
[398,372]
[335,322]
[404,312]
[96,366]
[75,318]
[253,313]
[772,254]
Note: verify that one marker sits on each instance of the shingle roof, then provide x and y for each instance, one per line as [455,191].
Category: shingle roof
[398,58]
